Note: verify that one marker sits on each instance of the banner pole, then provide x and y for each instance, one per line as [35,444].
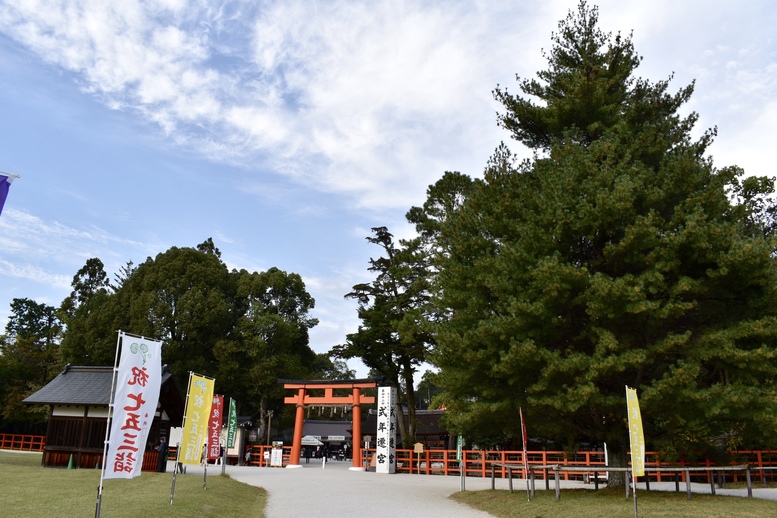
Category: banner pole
[634,485]
[178,448]
[98,505]
[223,458]
[175,471]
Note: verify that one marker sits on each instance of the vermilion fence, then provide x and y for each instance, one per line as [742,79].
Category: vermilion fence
[477,463]
[18,442]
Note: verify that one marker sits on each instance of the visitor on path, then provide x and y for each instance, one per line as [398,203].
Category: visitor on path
[161,465]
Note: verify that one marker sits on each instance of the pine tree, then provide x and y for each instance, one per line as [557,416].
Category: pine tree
[620,255]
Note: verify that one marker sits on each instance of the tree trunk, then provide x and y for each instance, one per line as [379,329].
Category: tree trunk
[262,420]
[616,458]
[401,425]
[407,374]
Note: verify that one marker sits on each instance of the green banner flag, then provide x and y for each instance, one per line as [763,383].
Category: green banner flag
[231,424]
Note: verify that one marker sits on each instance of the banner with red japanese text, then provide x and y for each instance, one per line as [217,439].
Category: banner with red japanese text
[214,427]
[194,432]
[138,378]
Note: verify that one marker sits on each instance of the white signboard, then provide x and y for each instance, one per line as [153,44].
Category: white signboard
[276,457]
[386,447]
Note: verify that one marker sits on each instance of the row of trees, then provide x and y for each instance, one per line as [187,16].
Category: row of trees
[246,329]
[618,255]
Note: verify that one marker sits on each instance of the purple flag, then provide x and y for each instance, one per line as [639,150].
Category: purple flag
[5,182]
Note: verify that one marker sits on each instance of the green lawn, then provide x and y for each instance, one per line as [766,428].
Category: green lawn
[584,503]
[29,490]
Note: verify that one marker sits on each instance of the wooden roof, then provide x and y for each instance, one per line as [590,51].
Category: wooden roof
[91,385]
[326,429]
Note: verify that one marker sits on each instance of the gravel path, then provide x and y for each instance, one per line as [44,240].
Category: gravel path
[336,491]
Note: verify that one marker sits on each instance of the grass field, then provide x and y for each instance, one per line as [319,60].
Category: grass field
[29,490]
[584,503]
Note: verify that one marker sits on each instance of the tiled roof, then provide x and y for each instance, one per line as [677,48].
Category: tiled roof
[78,386]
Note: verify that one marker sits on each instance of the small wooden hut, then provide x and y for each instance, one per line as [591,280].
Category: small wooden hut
[78,400]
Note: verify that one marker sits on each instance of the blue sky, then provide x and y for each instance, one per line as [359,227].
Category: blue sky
[286,130]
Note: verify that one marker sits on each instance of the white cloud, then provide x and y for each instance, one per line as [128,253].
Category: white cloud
[36,250]
[368,99]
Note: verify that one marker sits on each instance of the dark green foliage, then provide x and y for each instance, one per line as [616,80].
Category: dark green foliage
[393,337]
[333,368]
[269,340]
[585,91]
[29,358]
[244,329]
[618,256]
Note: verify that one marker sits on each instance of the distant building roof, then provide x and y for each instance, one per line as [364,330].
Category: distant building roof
[91,385]
[76,386]
[325,429]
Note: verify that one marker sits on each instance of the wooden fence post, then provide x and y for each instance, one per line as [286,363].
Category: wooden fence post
[628,483]
[688,483]
[749,482]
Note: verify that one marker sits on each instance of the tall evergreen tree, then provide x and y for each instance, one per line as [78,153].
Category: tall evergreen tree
[618,256]
[393,338]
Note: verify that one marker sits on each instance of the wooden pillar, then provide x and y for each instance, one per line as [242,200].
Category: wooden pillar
[356,457]
[299,424]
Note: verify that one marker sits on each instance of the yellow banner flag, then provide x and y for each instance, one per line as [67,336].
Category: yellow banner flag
[195,424]
[636,437]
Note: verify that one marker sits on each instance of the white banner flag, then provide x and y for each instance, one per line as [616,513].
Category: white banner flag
[138,378]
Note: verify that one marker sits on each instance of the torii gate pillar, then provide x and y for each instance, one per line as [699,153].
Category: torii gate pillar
[303,399]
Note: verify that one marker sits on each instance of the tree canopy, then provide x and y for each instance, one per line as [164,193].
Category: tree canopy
[246,329]
[393,338]
[620,255]
[29,358]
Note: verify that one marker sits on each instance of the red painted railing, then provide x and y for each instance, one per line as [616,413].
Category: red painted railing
[477,463]
[9,441]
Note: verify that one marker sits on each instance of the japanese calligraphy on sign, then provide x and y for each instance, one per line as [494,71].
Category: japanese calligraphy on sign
[138,379]
[232,424]
[386,448]
[636,436]
[214,428]
[194,433]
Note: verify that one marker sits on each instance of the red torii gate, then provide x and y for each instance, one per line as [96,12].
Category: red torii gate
[353,400]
